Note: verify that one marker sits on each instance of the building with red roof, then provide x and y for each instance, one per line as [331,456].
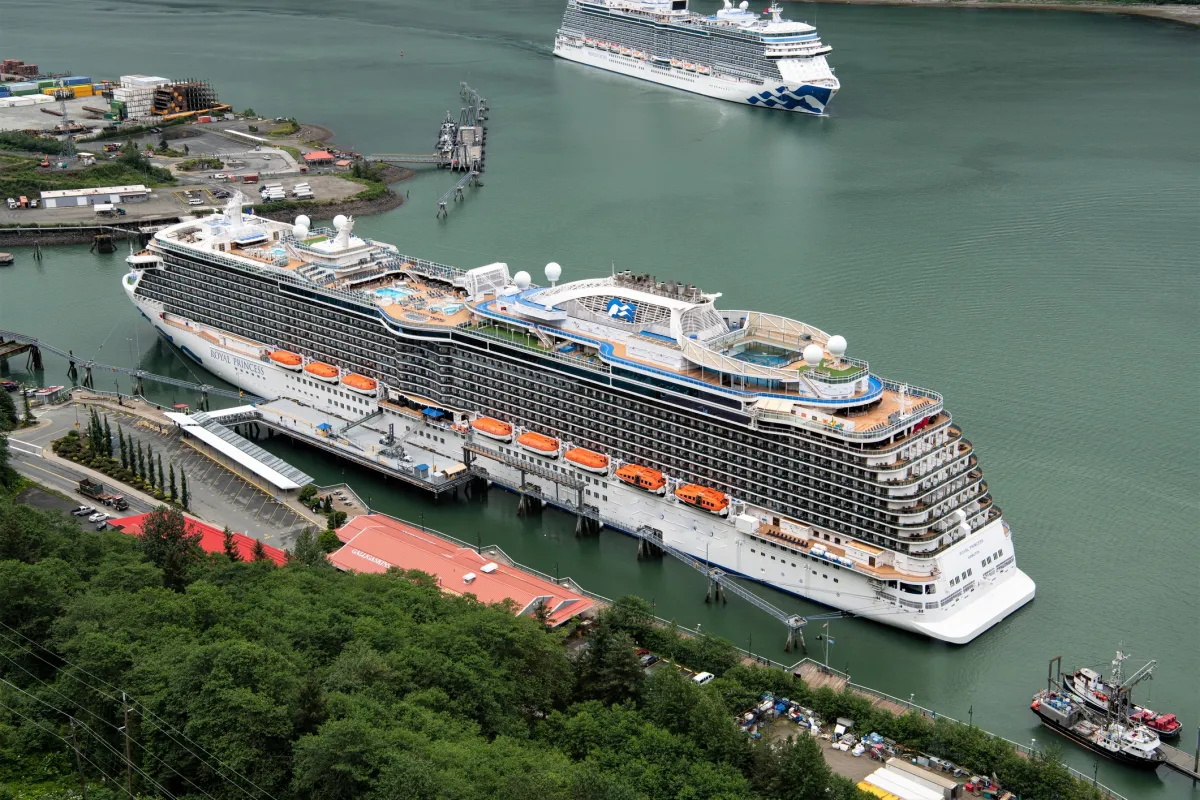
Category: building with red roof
[318,157]
[376,543]
[212,540]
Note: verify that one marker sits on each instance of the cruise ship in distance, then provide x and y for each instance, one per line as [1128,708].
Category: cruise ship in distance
[744,437]
[734,54]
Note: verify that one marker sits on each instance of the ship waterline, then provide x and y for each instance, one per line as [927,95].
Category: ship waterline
[834,484]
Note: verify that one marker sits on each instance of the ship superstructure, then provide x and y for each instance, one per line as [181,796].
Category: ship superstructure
[747,438]
[734,54]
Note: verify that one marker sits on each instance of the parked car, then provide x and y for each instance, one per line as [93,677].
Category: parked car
[642,651]
[266,156]
[84,510]
[648,660]
[156,130]
[701,678]
[98,516]
[220,176]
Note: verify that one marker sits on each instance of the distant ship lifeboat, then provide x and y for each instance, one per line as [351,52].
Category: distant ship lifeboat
[710,500]
[361,384]
[539,443]
[705,70]
[322,371]
[587,459]
[287,359]
[677,64]
[493,428]
[690,67]
[589,43]
[650,480]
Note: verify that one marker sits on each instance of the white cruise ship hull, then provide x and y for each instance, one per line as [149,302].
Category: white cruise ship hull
[805,98]
[955,613]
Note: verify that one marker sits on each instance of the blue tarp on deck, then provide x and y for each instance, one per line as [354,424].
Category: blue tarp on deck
[433,412]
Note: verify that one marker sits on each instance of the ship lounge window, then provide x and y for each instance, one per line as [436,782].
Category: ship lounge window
[931,588]
[911,588]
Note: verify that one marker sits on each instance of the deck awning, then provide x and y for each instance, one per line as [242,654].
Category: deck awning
[433,413]
[324,426]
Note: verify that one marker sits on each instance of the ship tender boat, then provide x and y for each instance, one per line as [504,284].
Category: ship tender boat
[780,64]
[587,459]
[361,384]
[1130,744]
[650,480]
[287,359]
[1098,694]
[539,443]
[493,428]
[322,371]
[814,450]
[710,500]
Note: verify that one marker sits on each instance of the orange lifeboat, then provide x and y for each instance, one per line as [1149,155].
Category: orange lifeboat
[287,359]
[493,428]
[587,459]
[650,480]
[323,371]
[361,384]
[710,500]
[539,443]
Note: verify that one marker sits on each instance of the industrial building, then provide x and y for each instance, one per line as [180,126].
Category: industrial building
[65,198]
[377,543]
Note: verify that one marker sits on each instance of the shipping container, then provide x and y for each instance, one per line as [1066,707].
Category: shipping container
[22,85]
[46,84]
[25,92]
[83,90]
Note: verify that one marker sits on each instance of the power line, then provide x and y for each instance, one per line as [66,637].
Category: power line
[87,728]
[118,729]
[165,727]
[62,739]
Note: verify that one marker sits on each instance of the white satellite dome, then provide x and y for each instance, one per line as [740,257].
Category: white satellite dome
[553,271]
[744,5]
[836,346]
[339,222]
[303,221]
[813,354]
[522,280]
[299,231]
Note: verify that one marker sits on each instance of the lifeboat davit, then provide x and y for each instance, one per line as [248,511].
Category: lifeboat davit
[322,371]
[587,459]
[539,443]
[286,359]
[493,428]
[710,500]
[361,384]
[650,480]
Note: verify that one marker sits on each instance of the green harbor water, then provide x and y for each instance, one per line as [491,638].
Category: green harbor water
[1002,207]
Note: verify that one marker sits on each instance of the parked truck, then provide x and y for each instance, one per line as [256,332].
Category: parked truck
[95,490]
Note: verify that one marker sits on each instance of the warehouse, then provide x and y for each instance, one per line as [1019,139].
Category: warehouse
[68,198]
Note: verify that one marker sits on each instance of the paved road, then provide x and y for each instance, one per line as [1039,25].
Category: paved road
[217,495]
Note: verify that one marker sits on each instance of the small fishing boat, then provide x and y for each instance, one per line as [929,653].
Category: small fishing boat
[539,443]
[287,359]
[361,384]
[587,459]
[6,259]
[1167,726]
[644,478]
[493,428]
[710,500]
[322,371]
[1132,745]
[1099,694]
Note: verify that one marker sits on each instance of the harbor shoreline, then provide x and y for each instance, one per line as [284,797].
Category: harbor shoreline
[1182,14]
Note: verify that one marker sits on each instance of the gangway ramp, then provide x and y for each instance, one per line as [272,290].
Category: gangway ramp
[209,430]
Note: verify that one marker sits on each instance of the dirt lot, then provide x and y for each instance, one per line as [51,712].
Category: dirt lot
[31,117]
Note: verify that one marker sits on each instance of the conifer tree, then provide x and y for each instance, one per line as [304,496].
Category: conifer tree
[140,469]
[171,493]
[108,442]
[230,546]
[260,552]
[162,484]
[29,420]
[150,465]
[124,448]
[183,492]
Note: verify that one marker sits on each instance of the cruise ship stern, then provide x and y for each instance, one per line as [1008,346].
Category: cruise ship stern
[989,607]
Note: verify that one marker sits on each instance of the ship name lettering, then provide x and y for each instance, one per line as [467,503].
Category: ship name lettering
[240,363]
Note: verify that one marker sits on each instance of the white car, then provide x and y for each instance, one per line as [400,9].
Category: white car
[701,678]
[98,516]
[83,510]
[266,156]
[220,176]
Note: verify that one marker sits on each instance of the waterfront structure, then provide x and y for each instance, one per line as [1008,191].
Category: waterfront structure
[744,438]
[212,540]
[734,54]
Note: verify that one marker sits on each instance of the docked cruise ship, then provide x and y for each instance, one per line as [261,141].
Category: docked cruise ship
[746,438]
[734,54]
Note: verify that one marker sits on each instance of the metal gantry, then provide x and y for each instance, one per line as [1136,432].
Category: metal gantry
[139,375]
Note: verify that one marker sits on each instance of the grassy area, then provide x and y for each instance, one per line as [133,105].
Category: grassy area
[130,130]
[285,131]
[22,176]
[294,152]
[24,142]
[518,337]
[194,164]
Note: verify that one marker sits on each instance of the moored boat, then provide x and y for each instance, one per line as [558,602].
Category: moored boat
[1100,695]
[361,384]
[710,500]
[539,443]
[645,478]
[587,459]
[1132,745]
[322,371]
[493,428]
[286,359]
[6,259]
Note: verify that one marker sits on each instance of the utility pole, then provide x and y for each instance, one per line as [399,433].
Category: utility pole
[78,761]
[128,744]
